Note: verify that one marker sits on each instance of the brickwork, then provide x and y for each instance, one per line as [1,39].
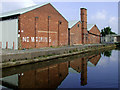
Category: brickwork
[84,26]
[81,35]
[75,34]
[94,35]
[43,27]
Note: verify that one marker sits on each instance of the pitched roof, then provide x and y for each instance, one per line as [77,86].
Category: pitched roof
[89,26]
[24,10]
[72,23]
[21,11]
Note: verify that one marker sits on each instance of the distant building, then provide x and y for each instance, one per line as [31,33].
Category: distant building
[111,38]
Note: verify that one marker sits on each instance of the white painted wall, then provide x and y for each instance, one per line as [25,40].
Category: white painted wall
[115,39]
[9,33]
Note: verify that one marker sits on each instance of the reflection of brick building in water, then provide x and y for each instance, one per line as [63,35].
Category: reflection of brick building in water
[80,65]
[52,76]
[48,77]
[76,64]
[84,72]
[94,59]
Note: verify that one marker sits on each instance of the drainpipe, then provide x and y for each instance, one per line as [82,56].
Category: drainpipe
[35,29]
[59,23]
[68,36]
[48,29]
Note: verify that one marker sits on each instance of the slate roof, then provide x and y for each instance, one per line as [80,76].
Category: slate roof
[72,23]
[89,26]
[24,10]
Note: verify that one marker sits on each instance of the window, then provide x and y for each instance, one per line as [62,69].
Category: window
[78,25]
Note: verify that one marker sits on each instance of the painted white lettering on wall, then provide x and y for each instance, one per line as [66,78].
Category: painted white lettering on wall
[27,39]
[32,39]
[24,39]
[38,39]
[49,39]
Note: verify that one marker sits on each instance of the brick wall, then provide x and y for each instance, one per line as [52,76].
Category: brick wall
[75,34]
[48,23]
[94,35]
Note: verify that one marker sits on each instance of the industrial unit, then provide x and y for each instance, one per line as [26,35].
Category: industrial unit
[80,32]
[93,34]
[74,30]
[43,26]
[33,27]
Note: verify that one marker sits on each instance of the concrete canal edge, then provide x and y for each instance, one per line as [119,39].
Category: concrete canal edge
[37,57]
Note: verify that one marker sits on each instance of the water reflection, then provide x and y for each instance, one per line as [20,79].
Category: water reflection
[80,65]
[107,53]
[52,76]
[48,77]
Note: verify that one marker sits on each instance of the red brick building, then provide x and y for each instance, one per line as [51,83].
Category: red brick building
[74,28]
[93,34]
[43,26]
[37,26]
[85,33]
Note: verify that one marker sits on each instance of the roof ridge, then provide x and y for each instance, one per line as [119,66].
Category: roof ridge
[21,10]
[72,23]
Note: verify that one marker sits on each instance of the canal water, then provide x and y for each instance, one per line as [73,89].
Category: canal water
[92,70]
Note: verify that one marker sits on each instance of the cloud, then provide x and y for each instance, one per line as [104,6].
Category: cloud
[13,5]
[99,18]
[27,3]
[100,15]
[113,22]
[103,19]
[112,19]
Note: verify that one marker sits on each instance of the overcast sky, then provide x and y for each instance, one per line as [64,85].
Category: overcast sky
[100,13]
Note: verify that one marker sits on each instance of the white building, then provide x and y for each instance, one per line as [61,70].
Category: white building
[112,38]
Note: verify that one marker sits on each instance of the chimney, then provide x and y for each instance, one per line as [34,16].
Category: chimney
[84,24]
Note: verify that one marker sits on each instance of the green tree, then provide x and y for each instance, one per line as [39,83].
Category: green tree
[106,31]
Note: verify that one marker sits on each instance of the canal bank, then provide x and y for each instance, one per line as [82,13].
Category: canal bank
[12,58]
